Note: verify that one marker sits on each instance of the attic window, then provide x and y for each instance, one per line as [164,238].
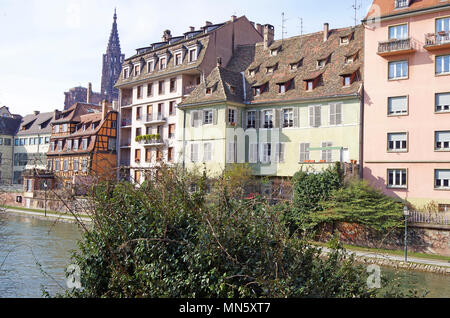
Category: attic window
[401,4]
[348,59]
[232,89]
[349,79]
[284,87]
[345,40]
[258,90]
[322,63]
[296,65]
[310,85]
[126,73]
[271,69]
[150,66]
[178,59]
[192,55]
[163,63]
[137,70]
[275,51]
[253,71]
[208,90]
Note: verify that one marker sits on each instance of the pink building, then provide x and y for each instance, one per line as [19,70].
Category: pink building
[407,100]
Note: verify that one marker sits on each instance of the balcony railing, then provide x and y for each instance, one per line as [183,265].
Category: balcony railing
[125,144]
[393,47]
[437,39]
[125,122]
[126,101]
[152,142]
[158,118]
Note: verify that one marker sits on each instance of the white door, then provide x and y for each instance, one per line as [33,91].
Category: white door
[345,155]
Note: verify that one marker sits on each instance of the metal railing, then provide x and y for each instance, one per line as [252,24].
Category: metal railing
[125,122]
[395,45]
[152,141]
[437,38]
[158,117]
[126,101]
[429,218]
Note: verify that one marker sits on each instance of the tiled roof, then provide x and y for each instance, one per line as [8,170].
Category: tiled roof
[31,124]
[73,113]
[387,7]
[306,50]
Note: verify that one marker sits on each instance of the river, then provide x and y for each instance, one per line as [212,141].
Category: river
[26,241]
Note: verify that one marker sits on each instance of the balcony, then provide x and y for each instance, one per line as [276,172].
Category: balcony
[125,144]
[126,102]
[152,142]
[125,122]
[151,120]
[396,47]
[437,41]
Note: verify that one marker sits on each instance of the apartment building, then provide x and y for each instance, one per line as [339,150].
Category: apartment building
[407,98]
[31,144]
[155,81]
[9,125]
[279,106]
[83,145]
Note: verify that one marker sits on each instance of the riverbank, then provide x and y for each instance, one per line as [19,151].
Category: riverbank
[50,215]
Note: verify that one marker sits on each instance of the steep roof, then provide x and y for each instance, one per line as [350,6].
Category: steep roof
[74,113]
[9,126]
[36,124]
[384,8]
[304,52]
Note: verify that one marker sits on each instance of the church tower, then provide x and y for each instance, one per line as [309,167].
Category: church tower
[112,64]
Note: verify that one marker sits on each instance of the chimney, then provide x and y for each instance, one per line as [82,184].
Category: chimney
[89,93]
[269,35]
[259,28]
[219,61]
[233,18]
[326,30]
[191,29]
[166,36]
[207,23]
[36,112]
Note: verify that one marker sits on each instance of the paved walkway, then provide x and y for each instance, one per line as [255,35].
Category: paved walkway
[396,258]
[49,215]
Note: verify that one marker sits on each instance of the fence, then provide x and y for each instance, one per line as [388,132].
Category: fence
[429,218]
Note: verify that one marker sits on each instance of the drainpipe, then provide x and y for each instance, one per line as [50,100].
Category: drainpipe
[361,133]
[184,138]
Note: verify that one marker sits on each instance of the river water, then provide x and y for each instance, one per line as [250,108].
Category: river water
[26,242]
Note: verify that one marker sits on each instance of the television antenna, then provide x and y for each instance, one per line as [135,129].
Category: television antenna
[356,7]
[283,26]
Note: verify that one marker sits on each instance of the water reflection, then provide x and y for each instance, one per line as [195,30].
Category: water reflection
[33,255]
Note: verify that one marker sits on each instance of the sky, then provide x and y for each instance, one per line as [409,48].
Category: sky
[50,46]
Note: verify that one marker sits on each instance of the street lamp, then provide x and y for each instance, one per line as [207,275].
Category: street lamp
[406,214]
[45,201]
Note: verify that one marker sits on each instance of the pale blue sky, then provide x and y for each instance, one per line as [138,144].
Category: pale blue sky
[49,46]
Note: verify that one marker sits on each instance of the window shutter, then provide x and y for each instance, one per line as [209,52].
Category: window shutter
[332,114]
[244,115]
[253,156]
[338,114]
[238,116]
[192,117]
[276,118]
[311,116]
[277,152]
[317,116]
[215,116]
[258,119]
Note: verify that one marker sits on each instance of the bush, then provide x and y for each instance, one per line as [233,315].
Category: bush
[160,240]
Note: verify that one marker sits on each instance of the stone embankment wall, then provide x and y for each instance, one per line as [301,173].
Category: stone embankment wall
[422,238]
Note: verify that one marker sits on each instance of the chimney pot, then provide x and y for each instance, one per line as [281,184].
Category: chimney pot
[89,93]
[166,36]
[233,18]
[36,112]
[326,30]
[192,29]
[208,23]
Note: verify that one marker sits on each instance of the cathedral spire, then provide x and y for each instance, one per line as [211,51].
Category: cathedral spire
[112,63]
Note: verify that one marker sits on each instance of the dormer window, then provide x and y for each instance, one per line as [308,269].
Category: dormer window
[192,55]
[271,69]
[137,70]
[208,91]
[344,40]
[401,4]
[283,87]
[309,85]
[163,63]
[348,59]
[126,73]
[349,78]
[321,63]
[150,66]
[259,89]
[178,59]
[232,89]
[296,65]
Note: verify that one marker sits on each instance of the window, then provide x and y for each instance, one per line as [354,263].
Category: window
[304,152]
[397,178]
[170,154]
[207,152]
[56,129]
[347,80]
[282,88]
[231,116]
[137,70]
[442,140]
[52,146]
[397,142]
[137,176]
[148,155]
[398,32]
[268,118]
[444,207]
[126,73]
[442,179]
[173,85]
[172,131]
[172,105]
[288,117]
[150,66]
[139,92]
[149,89]
[111,144]
[178,59]
[257,91]
[84,165]
[274,52]
[138,113]
[47,140]
[327,153]
[192,55]
[401,4]
[138,132]
[161,88]
[443,64]
[7,141]
[309,85]
[163,63]
[398,70]
[335,114]
[75,144]
[57,165]
[16,142]
[60,145]
[196,120]
[266,152]
[443,25]
[137,155]
[76,165]
[251,119]
[397,105]
[344,40]
[85,144]
[194,152]
[69,145]
[442,102]
[50,165]
[31,141]
[207,117]
[349,59]
[315,116]
[321,63]
[66,165]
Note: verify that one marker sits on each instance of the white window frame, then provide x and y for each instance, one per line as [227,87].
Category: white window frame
[441,66]
[126,72]
[443,143]
[444,184]
[327,155]
[251,120]
[403,177]
[398,113]
[269,118]
[194,58]
[304,152]
[207,151]
[207,119]
[397,142]
[150,66]
[266,152]
[335,117]
[194,152]
[399,32]
[290,117]
[398,64]
[231,116]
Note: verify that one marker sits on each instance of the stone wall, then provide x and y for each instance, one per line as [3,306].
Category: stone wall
[422,238]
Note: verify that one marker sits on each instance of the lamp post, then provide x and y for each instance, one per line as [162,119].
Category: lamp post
[45,200]
[406,214]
